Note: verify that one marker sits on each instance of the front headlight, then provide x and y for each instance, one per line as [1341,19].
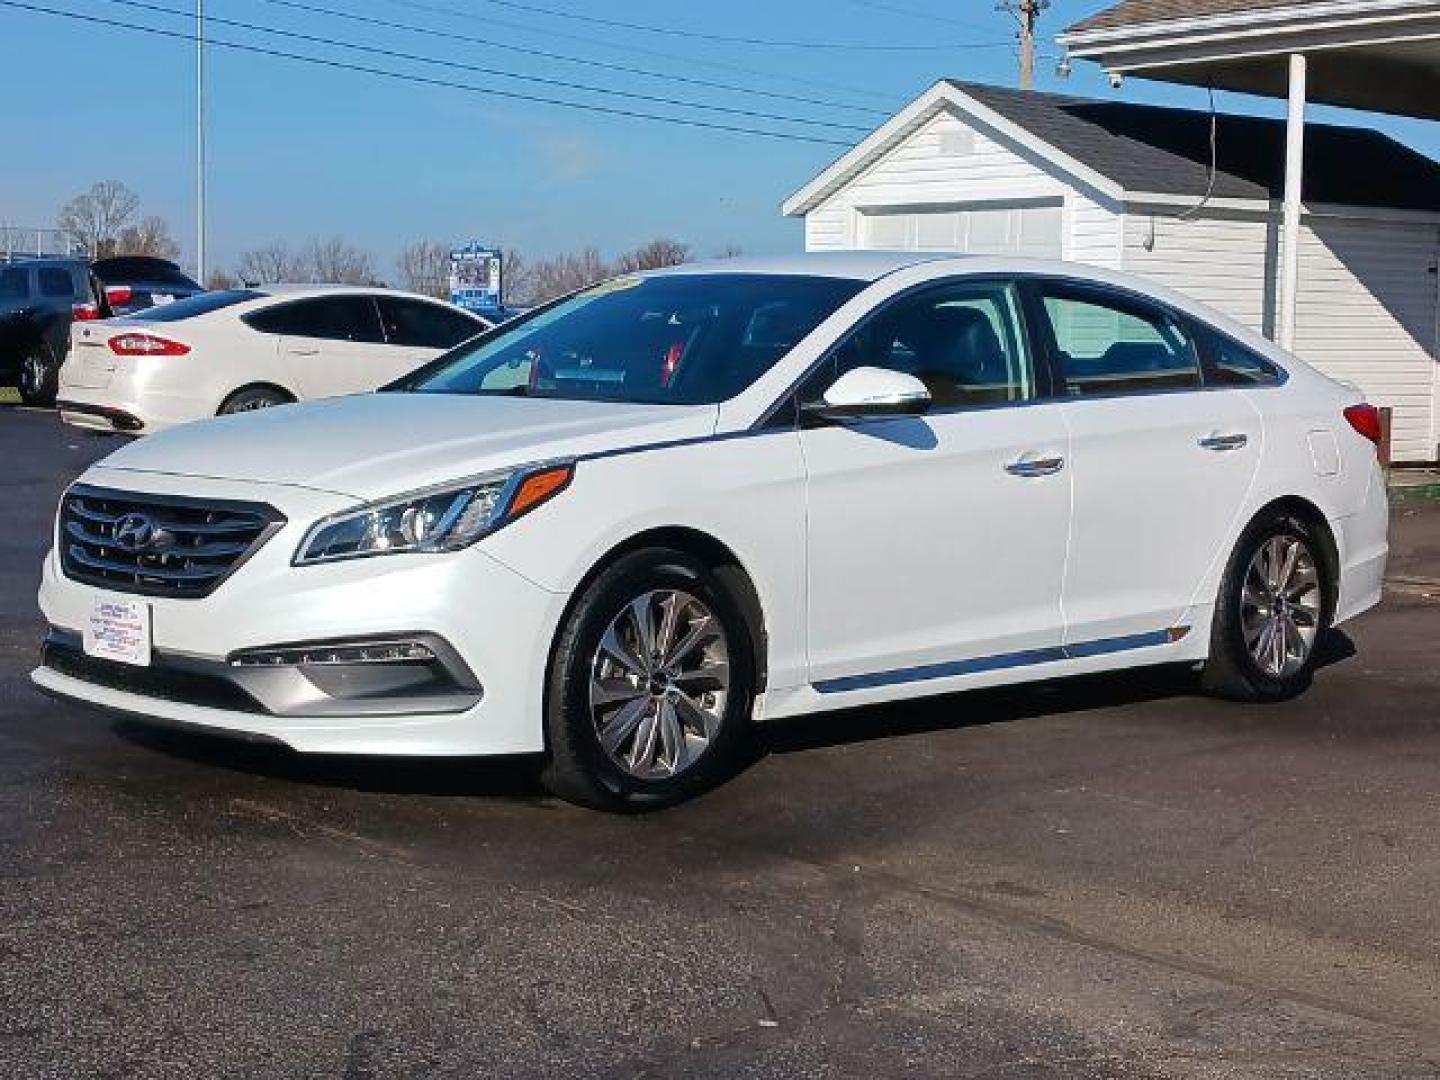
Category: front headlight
[437,519]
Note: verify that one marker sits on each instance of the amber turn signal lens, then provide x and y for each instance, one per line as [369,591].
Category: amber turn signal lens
[539,487]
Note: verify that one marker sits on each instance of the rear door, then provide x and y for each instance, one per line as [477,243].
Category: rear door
[1160,464]
[331,345]
[423,329]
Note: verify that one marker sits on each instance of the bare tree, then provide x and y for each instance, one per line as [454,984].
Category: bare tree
[653,256]
[271,265]
[220,279]
[334,261]
[519,279]
[95,217]
[566,273]
[425,268]
[150,237]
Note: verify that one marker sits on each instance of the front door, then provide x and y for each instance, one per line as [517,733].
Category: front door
[936,544]
[1160,465]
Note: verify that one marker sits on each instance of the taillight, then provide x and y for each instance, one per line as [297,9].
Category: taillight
[118,294]
[1365,419]
[145,345]
[85,312]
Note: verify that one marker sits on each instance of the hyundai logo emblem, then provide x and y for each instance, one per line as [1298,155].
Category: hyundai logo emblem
[136,532]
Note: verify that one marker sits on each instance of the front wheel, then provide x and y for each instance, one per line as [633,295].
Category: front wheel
[651,686]
[39,376]
[1274,606]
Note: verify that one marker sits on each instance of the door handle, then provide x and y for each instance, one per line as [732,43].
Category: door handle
[1028,465]
[302,350]
[1220,443]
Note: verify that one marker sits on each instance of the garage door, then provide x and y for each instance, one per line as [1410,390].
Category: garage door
[1367,315]
[989,230]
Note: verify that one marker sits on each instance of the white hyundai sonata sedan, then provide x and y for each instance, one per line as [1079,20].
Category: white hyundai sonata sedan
[625,528]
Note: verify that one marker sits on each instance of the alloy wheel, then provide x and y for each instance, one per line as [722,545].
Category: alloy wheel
[1280,606]
[659,683]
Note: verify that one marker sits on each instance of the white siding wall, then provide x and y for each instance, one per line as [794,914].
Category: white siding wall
[1367,315]
[828,228]
[1367,306]
[946,165]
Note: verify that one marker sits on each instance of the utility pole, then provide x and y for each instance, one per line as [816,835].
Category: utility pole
[1027,14]
[200,141]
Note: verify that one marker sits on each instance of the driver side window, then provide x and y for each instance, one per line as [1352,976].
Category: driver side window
[963,341]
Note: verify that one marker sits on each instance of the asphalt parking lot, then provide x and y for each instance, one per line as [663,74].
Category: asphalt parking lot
[1110,877]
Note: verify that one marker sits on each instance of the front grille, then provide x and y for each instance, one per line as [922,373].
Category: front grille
[158,545]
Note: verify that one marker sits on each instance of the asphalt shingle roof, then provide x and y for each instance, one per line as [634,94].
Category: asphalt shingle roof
[1142,12]
[1152,149]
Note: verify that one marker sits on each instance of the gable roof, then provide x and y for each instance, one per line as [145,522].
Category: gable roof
[1144,12]
[1123,149]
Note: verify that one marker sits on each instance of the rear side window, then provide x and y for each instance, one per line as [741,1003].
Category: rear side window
[14,284]
[331,318]
[56,282]
[422,325]
[202,304]
[1107,344]
[1228,363]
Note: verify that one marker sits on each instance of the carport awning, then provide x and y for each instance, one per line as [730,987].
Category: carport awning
[1377,55]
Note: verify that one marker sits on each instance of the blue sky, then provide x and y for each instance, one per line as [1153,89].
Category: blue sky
[298,150]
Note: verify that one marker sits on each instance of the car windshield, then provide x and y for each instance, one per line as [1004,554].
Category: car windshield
[682,339]
[199,304]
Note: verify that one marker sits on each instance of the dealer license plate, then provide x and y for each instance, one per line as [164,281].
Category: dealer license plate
[119,629]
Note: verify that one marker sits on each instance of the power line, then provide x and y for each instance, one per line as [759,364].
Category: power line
[563,84]
[424,80]
[471,39]
[769,43]
[630,47]
[896,9]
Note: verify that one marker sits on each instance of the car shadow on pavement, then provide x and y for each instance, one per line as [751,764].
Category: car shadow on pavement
[509,777]
[518,777]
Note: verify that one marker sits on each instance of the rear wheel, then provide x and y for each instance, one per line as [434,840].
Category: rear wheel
[252,398]
[39,375]
[651,686]
[1274,606]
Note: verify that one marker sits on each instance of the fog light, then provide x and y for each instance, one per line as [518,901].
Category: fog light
[336,653]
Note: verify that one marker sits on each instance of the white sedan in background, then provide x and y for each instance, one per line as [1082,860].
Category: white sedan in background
[623,528]
[236,350]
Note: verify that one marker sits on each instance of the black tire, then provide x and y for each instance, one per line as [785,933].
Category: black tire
[1231,671]
[252,398]
[38,379]
[578,768]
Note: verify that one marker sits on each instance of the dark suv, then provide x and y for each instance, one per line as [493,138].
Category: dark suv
[40,298]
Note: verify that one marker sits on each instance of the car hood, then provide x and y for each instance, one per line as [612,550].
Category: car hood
[373,445]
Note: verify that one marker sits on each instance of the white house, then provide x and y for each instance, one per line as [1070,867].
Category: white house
[982,169]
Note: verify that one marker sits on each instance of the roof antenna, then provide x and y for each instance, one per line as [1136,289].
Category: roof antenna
[1214,162]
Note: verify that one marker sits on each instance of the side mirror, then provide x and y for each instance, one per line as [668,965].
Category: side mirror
[871,391]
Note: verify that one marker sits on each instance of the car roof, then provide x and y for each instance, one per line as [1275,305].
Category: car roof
[854,265]
[297,291]
[40,264]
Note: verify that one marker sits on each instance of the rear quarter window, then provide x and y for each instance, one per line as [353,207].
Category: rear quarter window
[1228,363]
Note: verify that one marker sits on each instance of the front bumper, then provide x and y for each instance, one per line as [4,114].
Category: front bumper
[491,627]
